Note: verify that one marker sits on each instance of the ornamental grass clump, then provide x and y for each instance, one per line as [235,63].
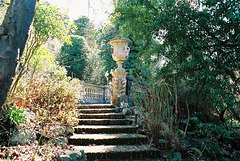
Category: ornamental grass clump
[156,102]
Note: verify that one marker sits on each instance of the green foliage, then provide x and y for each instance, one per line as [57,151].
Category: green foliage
[15,116]
[105,34]
[73,56]
[81,59]
[94,69]
[84,27]
[209,140]
[196,150]
[47,91]
[173,156]
[200,41]
[196,44]
[208,147]
[50,22]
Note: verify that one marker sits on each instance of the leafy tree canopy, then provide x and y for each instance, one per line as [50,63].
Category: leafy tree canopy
[200,40]
[51,22]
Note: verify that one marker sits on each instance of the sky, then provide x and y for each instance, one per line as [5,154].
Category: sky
[96,10]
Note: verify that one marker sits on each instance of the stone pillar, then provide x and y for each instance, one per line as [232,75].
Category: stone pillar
[120,54]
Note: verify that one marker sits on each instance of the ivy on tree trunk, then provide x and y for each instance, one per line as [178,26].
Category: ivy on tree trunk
[13,37]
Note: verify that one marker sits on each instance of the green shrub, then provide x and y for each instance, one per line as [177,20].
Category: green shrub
[48,92]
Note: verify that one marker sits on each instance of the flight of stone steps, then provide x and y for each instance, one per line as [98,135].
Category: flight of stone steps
[105,134]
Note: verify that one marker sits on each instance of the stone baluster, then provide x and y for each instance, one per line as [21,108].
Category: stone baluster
[93,93]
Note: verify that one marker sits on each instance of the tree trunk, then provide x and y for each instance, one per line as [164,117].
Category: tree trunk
[13,37]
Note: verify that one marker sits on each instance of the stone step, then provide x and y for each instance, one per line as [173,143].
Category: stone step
[119,152]
[104,129]
[104,122]
[95,106]
[102,116]
[100,110]
[107,139]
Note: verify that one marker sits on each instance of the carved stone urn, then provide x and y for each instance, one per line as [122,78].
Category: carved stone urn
[120,54]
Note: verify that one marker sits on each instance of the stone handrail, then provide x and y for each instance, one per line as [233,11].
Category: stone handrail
[91,93]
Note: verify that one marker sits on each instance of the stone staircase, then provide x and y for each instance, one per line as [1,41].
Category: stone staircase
[104,133]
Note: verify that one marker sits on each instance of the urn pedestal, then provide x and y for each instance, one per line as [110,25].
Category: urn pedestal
[120,54]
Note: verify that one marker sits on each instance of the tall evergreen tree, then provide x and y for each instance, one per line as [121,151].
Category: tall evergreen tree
[73,56]
[84,27]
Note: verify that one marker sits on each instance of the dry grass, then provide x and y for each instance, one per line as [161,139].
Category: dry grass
[157,104]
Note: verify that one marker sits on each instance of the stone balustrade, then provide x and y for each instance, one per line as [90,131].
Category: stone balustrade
[96,94]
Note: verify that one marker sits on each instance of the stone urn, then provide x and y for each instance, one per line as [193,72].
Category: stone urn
[120,50]
[120,54]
